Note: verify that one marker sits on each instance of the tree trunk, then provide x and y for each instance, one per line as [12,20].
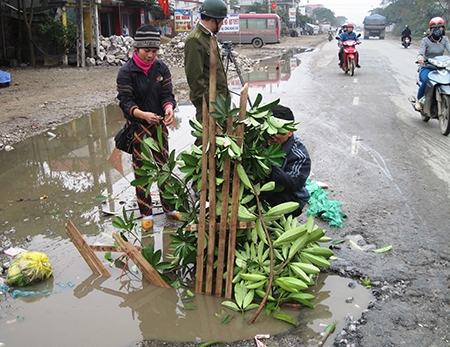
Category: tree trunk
[28,22]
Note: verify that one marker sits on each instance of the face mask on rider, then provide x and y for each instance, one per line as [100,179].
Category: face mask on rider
[437,33]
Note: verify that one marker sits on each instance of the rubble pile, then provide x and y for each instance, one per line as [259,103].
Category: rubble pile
[117,50]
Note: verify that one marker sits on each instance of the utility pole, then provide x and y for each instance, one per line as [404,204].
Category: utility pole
[81,55]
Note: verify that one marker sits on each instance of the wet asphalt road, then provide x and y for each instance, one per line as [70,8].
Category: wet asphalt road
[390,170]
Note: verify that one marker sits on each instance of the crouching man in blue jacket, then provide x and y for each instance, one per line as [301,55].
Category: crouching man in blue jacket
[294,170]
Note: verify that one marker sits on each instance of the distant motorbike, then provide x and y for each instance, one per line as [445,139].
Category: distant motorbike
[350,54]
[437,93]
[330,36]
[406,41]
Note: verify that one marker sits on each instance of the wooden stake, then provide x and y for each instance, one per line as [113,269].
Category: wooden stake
[203,191]
[234,198]
[223,217]
[147,270]
[212,167]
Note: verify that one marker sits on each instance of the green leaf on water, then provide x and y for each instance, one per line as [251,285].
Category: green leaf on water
[226,319]
[330,329]
[190,307]
[285,317]
[101,198]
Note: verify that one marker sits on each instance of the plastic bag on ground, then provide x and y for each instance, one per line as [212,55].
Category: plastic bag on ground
[27,268]
[320,206]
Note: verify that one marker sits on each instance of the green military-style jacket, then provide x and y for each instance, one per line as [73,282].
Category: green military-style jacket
[196,65]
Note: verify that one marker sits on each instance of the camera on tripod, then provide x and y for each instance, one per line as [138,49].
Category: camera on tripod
[227,47]
[227,57]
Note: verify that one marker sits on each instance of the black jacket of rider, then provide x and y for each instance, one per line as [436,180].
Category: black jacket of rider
[406,32]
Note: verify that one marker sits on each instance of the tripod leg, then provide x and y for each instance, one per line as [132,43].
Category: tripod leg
[238,70]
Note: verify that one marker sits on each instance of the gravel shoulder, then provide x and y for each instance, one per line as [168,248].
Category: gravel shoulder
[42,98]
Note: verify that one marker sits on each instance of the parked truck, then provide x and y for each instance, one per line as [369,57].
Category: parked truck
[375,25]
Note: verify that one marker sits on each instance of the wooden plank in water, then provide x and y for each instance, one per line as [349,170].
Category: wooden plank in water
[86,252]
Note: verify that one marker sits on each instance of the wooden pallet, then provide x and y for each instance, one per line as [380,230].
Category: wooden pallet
[210,279]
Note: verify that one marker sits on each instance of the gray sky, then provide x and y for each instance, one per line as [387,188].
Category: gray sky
[354,10]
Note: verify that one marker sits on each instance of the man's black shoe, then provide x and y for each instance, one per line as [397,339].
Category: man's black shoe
[358,66]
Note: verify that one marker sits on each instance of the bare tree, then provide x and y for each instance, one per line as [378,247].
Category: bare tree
[28,20]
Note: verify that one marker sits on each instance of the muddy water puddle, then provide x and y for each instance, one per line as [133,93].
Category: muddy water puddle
[73,173]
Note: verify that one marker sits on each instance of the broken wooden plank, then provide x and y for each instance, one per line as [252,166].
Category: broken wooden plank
[86,252]
[147,270]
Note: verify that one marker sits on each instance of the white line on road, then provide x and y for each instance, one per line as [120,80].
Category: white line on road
[355,145]
[355,101]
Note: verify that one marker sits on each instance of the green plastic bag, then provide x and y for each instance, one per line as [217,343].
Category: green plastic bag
[320,206]
[27,268]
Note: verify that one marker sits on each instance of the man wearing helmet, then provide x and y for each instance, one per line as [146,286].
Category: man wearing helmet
[197,55]
[406,32]
[347,35]
[432,45]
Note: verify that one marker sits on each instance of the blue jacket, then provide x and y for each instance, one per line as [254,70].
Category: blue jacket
[348,36]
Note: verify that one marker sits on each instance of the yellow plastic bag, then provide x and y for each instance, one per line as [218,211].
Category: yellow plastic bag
[27,268]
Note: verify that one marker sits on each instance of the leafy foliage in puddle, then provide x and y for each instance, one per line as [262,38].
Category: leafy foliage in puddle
[276,260]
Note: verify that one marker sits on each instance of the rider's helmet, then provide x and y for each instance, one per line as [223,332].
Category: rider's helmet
[437,22]
[406,25]
[350,25]
[214,9]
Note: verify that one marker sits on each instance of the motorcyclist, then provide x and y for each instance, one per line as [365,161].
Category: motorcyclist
[432,46]
[406,32]
[347,35]
[342,29]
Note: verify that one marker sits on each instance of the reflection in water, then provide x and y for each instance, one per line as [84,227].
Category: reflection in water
[82,176]
[269,75]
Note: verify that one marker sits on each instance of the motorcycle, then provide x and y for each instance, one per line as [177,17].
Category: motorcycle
[330,36]
[437,93]
[406,41]
[350,54]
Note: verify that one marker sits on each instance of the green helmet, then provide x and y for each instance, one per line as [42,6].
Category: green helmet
[214,9]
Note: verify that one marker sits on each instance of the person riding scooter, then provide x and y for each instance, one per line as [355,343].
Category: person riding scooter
[431,46]
[347,35]
[406,32]
[342,29]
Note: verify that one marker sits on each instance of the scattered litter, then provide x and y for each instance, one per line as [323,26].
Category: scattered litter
[320,206]
[27,268]
[5,288]
[322,185]
[16,293]
[13,251]
[355,245]
[261,336]
[8,148]
[382,250]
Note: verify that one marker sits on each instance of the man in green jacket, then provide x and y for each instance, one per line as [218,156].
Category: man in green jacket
[197,55]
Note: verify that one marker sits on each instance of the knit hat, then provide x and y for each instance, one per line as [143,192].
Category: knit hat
[147,36]
[283,112]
